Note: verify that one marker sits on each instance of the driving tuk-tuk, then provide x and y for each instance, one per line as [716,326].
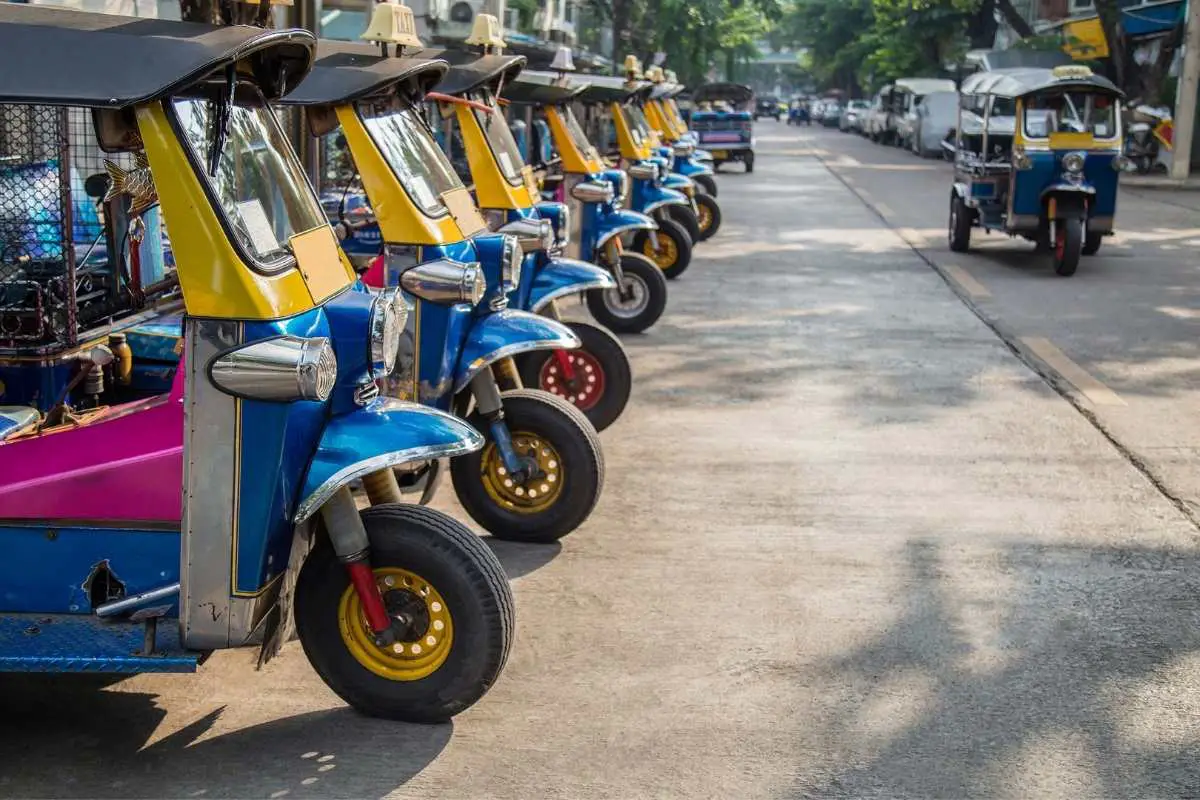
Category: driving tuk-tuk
[724,122]
[140,536]
[540,472]
[573,173]
[595,377]
[645,179]
[1038,155]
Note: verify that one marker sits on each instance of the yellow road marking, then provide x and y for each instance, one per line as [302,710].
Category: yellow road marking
[1077,376]
[967,283]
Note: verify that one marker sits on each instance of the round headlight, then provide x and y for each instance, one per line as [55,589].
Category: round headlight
[547,229]
[564,226]
[317,371]
[683,149]
[511,257]
[388,317]
[593,192]
[1073,162]
[474,284]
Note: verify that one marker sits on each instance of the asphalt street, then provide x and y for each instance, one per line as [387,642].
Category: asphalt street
[859,537]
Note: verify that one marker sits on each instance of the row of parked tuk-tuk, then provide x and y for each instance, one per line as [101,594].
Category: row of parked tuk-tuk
[227,398]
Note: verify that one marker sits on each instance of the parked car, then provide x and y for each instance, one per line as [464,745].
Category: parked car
[933,119]
[906,95]
[767,105]
[831,113]
[876,126]
[853,115]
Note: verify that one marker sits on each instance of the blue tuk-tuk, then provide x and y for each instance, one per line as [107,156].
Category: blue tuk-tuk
[1037,154]
[724,121]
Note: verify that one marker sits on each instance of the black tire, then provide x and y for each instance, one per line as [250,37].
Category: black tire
[579,459]
[648,286]
[1092,242]
[1068,246]
[602,353]
[685,217]
[459,567]
[706,184]
[674,254]
[749,162]
[960,225]
[710,210]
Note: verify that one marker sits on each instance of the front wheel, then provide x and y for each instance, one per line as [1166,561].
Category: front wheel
[707,184]
[1068,246]
[709,216]
[673,255]
[562,474]
[749,163]
[637,303]
[960,225]
[450,603]
[685,217]
[595,377]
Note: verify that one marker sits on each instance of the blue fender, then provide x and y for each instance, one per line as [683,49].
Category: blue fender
[677,182]
[688,167]
[703,156]
[618,221]
[378,436]
[563,276]
[506,333]
[647,197]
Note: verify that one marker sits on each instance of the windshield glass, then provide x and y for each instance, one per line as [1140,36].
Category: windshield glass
[1070,112]
[499,136]
[260,188]
[638,126]
[575,130]
[408,146]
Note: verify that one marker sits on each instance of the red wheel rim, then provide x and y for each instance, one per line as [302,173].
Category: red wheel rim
[1060,243]
[584,389]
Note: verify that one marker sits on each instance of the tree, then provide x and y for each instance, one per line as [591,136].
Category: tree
[226,12]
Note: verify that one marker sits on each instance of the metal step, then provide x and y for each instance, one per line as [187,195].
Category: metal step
[80,643]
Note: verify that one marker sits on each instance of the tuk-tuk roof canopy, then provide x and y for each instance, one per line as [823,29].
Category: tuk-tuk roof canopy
[1021,81]
[542,88]
[56,56]
[665,90]
[349,71]
[925,85]
[470,70]
[731,92]
[610,88]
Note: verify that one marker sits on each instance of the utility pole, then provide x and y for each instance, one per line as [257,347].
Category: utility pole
[1185,101]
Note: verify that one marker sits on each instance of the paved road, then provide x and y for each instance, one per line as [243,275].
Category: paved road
[851,545]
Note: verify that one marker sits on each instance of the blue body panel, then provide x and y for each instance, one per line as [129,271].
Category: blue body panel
[44,569]
[562,276]
[51,643]
[1098,174]
[505,333]
[387,427]
[646,195]
[608,220]
[689,166]
[30,383]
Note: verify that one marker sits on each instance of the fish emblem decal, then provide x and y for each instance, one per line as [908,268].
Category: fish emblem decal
[138,183]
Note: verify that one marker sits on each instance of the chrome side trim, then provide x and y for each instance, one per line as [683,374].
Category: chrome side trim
[651,208]
[574,288]
[136,601]
[513,349]
[635,226]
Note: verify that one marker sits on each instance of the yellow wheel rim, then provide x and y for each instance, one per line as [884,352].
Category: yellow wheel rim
[666,254]
[704,217]
[429,637]
[534,494]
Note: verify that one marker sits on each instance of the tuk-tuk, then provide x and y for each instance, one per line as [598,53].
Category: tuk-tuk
[140,536]
[572,172]
[1037,154]
[540,472]
[644,178]
[596,377]
[724,123]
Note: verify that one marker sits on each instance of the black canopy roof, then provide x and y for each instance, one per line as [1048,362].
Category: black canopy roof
[471,71]
[731,92]
[349,71]
[57,56]
[610,89]
[542,88]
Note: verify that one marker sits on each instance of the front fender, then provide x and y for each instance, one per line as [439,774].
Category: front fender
[659,197]
[677,182]
[563,276]
[379,436]
[689,167]
[506,333]
[618,221]
[1070,199]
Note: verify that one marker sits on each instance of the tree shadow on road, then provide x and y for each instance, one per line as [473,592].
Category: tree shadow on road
[64,737]
[1067,687]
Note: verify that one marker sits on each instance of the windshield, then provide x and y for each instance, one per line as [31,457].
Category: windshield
[575,131]
[260,188]
[407,145]
[638,126]
[1070,112]
[499,136]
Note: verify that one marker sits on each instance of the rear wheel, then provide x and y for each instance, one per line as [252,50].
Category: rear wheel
[749,163]
[1068,246]
[960,225]
[637,303]
[709,216]
[450,603]
[707,184]
[595,377]
[673,253]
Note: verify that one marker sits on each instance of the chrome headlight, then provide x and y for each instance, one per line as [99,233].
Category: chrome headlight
[1073,162]
[643,172]
[281,369]
[388,317]
[445,281]
[511,257]
[683,150]
[564,227]
[592,192]
[532,234]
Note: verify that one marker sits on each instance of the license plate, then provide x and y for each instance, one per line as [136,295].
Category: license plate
[719,153]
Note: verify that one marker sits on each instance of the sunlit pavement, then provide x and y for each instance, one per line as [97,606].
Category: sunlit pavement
[851,544]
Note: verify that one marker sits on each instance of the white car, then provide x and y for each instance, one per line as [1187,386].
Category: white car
[854,115]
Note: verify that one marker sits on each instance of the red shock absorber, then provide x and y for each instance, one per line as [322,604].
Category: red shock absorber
[564,364]
[363,580]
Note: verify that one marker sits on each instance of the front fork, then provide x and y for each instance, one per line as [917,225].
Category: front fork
[348,536]
[488,403]
[612,252]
